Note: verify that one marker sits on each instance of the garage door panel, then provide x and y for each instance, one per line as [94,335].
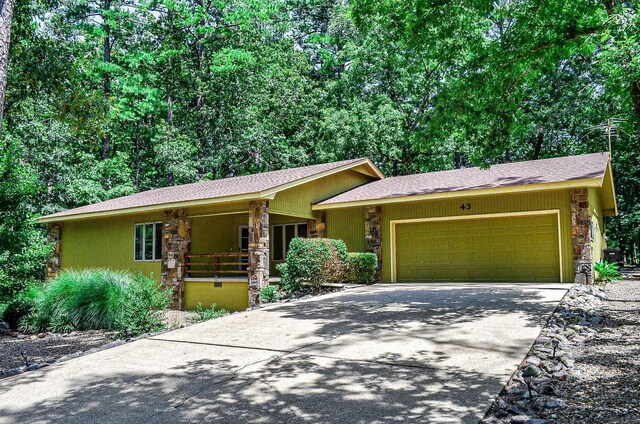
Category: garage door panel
[522,248]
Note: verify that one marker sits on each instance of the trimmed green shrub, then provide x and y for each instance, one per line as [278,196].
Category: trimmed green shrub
[16,309]
[314,261]
[269,294]
[203,314]
[607,272]
[142,305]
[98,299]
[363,267]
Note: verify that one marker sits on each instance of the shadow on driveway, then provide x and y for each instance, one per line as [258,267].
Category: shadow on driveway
[415,353]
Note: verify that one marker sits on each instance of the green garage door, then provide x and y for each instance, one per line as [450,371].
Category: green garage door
[518,248]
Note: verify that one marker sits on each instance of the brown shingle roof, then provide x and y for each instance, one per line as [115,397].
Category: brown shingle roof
[214,189]
[505,175]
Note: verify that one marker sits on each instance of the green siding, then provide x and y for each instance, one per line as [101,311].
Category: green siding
[232,296]
[217,234]
[347,225]
[222,208]
[106,243]
[521,202]
[297,201]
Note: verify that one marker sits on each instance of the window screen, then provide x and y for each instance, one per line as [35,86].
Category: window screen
[138,242]
[147,242]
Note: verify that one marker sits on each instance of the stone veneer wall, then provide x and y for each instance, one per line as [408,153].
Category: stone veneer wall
[176,243]
[317,228]
[373,235]
[581,236]
[54,236]
[258,249]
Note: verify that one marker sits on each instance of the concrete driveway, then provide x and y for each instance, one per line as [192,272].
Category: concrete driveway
[410,352]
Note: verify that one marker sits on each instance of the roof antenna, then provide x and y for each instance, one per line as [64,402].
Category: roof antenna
[610,129]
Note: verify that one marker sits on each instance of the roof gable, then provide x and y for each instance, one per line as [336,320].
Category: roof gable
[585,170]
[255,186]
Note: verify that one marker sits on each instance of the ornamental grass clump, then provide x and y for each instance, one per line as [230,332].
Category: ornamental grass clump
[96,300]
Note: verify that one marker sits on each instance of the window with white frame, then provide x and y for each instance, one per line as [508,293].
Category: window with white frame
[282,234]
[147,245]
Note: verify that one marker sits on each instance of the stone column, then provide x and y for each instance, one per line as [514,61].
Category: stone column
[581,236]
[316,228]
[373,235]
[258,249]
[54,236]
[176,243]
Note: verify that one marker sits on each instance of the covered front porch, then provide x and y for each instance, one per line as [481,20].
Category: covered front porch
[225,255]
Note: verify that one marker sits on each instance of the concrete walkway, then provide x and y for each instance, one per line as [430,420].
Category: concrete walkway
[387,353]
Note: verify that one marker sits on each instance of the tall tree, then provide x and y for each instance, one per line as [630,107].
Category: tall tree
[6,17]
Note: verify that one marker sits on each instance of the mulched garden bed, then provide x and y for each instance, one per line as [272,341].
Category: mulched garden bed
[593,375]
[25,352]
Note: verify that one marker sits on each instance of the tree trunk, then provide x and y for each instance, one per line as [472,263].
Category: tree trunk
[609,5]
[457,159]
[6,16]
[170,176]
[199,95]
[635,99]
[106,79]
[538,146]
[137,146]
[169,107]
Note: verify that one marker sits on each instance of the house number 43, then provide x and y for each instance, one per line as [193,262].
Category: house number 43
[465,206]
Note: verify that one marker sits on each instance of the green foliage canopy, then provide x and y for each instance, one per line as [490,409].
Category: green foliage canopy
[110,97]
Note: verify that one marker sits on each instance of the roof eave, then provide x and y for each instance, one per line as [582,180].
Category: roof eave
[154,208]
[364,161]
[588,182]
[261,195]
[609,188]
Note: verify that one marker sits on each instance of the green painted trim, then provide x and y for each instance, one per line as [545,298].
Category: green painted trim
[155,208]
[291,214]
[589,182]
[204,215]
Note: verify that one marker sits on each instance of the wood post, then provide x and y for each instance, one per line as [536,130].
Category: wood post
[581,236]
[54,236]
[176,244]
[258,249]
[373,235]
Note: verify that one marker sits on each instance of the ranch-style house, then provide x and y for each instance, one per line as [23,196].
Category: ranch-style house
[219,241]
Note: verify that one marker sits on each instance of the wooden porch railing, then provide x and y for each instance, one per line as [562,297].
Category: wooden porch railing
[215,265]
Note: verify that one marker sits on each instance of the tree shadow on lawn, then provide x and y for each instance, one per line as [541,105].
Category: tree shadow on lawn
[290,388]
